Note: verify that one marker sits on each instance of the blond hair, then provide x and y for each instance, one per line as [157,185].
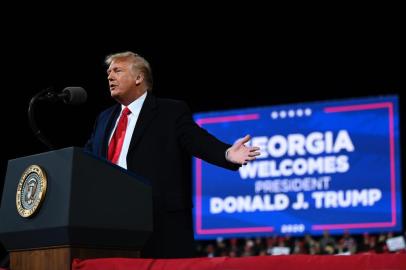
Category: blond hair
[137,63]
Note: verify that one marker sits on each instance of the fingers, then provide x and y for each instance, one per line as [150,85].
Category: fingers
[254,151]
[254,154]
[248,159]
[244,140]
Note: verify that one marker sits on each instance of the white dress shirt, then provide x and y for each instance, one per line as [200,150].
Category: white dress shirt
[135,108]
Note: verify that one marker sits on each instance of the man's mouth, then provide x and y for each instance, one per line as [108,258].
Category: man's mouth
[112,87]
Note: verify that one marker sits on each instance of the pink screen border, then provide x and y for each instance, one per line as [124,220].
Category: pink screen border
[336,109]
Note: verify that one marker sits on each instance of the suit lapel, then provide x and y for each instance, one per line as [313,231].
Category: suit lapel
[110,123]
[147,113]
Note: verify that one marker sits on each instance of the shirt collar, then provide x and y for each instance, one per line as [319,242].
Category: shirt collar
[136,105]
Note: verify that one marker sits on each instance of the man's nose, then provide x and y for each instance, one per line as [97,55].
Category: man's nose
[110,77]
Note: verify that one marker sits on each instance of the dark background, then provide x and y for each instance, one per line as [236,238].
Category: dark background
[208,72]
[210,66]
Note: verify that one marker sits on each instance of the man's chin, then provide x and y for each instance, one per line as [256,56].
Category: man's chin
[114,94]
[117,97]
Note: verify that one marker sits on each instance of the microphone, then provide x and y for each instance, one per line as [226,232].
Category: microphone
[70,95]
[74,95]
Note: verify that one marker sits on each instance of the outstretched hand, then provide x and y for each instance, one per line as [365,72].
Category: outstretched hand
[241,154]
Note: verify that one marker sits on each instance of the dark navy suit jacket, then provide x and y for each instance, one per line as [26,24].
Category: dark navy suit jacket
[164,138]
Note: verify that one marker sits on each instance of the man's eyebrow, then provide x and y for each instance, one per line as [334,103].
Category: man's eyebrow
[114,68]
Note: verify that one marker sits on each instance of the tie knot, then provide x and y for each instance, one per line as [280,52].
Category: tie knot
[126,111]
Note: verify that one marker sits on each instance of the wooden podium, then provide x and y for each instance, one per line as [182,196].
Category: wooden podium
[88,208]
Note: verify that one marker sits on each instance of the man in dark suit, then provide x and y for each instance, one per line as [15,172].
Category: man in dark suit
[155,138]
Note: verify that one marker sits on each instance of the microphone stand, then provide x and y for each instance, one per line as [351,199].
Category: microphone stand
[44,94]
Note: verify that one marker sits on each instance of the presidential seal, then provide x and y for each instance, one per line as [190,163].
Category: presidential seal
[31,191]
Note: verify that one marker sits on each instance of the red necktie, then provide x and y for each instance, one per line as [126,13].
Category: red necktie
[116,142]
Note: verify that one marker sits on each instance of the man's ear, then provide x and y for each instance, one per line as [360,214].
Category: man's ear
[139,79]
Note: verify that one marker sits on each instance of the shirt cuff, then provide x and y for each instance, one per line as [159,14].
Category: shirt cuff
[226,155]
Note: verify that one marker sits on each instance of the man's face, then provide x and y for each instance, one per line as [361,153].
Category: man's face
[122,81]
